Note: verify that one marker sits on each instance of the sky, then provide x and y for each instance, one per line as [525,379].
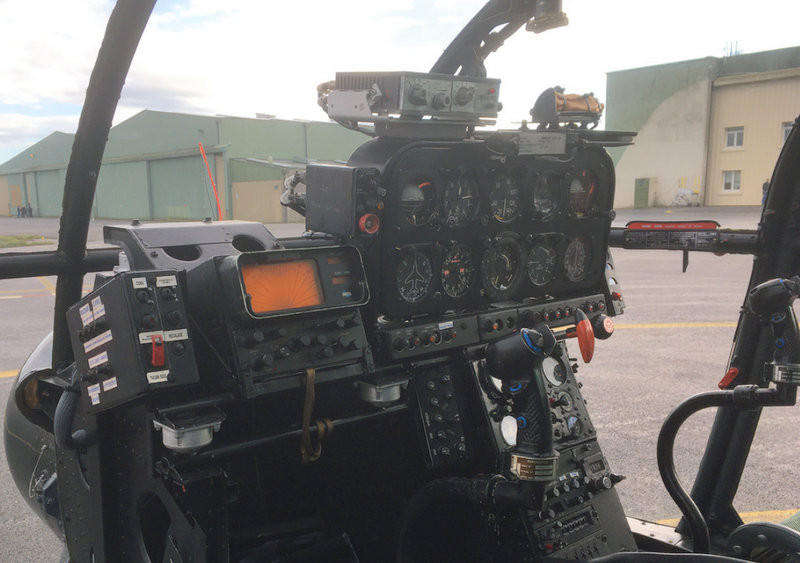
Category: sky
[242,57]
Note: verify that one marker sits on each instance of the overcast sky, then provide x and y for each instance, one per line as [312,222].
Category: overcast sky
[239,58]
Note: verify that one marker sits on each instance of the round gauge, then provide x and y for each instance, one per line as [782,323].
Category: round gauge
[460,199]
[416,202]
[554,371]
[545,195]
[541,263]
[414,276]
[504,199]
[502,268]
[583,192]
[458,270]
[577,258]
[574,426]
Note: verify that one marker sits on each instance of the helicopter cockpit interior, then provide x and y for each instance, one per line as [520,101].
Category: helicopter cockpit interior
[402,381]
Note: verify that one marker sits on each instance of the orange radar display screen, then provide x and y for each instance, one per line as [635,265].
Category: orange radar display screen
[282,286]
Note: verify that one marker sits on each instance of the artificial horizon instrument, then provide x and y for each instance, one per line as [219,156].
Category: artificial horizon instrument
[400,383]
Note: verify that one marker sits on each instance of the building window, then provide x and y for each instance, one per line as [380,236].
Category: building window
[786,127]
[731,180]
[734,137]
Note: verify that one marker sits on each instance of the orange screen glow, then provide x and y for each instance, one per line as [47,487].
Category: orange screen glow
[282,286]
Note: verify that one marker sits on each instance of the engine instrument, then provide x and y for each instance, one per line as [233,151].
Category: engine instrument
[458,270]
[460,202]
[502,267]
[577,258]
[542,260]
[504,199]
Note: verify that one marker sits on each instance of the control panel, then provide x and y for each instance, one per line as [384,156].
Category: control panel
[267,352]
[348,202]
[131,336]
[279,313]
[406,340]
[461,225]
[359,95]
[582,513]
[442,428]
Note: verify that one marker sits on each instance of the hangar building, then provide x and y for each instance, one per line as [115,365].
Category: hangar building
[710,130]
[153,168]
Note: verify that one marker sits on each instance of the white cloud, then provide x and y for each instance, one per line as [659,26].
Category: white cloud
[239,58]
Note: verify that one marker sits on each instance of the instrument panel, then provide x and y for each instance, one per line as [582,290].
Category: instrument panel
[474,227]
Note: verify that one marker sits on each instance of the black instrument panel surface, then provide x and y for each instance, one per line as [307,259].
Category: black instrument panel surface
[473,227]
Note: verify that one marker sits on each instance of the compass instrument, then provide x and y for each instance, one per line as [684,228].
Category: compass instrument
[414,276]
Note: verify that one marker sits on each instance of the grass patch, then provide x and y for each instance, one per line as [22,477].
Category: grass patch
[11,241]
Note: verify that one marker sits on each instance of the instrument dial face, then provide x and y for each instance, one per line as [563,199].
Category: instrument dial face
[501,268]
[416,202]
[504,199]
[541,263]
[554,371]
[577,258]
[458,270]
[460,199]
[545,195]
[574,426]
[414,276]
[583,192]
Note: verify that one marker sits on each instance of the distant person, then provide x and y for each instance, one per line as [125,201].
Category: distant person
[19,212]
[764,189]
[30,210]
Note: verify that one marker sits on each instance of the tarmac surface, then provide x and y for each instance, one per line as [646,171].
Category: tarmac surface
[672,341]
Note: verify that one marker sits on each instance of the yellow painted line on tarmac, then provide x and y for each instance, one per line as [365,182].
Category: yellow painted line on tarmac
[47,284]
[10,373]
[747,517]
[10,296]
[698,324]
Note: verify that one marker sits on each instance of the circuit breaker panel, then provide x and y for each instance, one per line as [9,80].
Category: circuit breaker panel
[131,337]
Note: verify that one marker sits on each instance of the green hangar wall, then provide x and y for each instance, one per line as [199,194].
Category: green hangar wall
[153,168]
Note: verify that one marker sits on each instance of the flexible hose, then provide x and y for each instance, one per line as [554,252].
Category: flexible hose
[65,438]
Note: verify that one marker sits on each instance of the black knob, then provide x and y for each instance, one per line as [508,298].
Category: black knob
[174,318]
[267,359]
[322,339]
[326,352]
[142,295]
[284,351]
[149,320]
[305,340]
[167,293]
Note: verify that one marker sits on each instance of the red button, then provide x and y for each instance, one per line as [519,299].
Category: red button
[726,381]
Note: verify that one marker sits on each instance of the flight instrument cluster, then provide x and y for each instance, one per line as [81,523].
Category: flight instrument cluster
[464,226]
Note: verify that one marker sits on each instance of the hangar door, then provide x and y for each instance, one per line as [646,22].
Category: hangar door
[181,188]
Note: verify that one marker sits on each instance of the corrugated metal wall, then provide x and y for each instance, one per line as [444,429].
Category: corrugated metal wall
[46,190]
[122,191]
[180,189]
